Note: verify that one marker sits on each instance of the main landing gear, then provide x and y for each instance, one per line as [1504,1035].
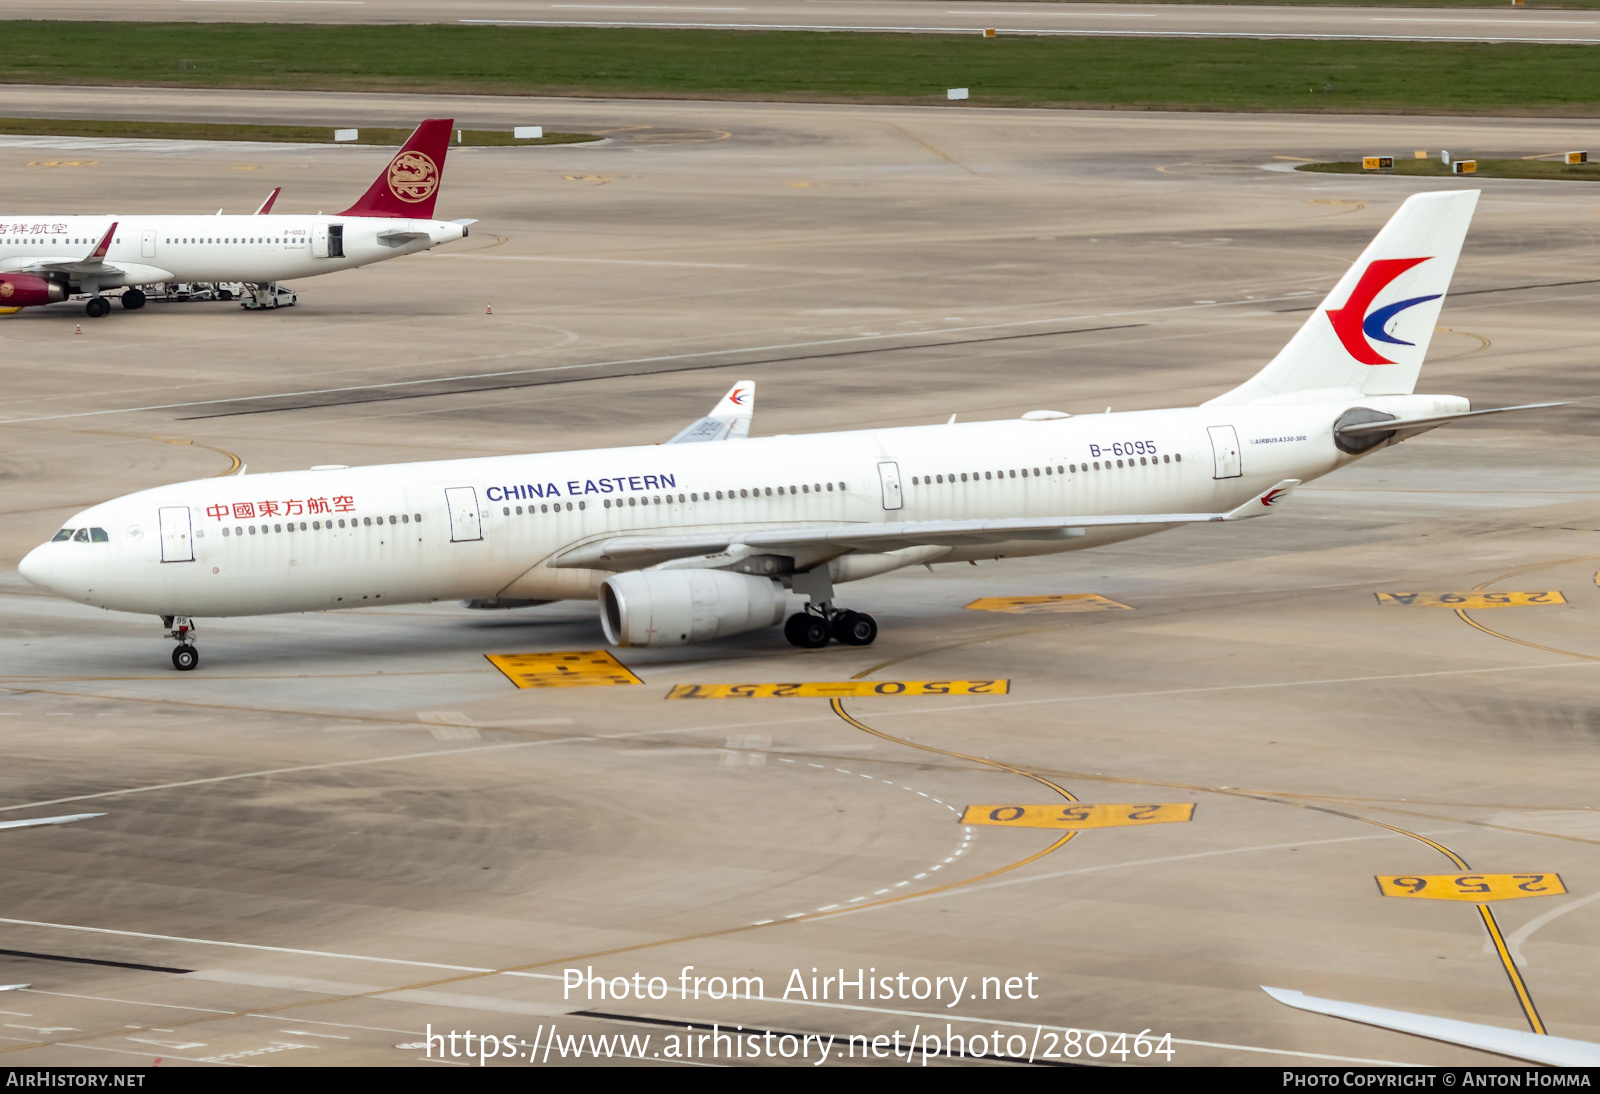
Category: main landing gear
[821,622]
[97,307]
[132,299]
[811,631]
[181,627]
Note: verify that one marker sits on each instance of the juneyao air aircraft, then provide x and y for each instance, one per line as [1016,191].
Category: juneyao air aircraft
[45,259]
[687,542]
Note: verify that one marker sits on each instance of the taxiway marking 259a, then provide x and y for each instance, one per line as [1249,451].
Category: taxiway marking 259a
[1473,600]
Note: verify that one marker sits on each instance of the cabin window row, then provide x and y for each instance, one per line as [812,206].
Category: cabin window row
[321,525]
[1058,469]
[506,511]
[233,239]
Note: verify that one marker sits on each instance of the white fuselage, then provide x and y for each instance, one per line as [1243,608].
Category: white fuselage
[482,528]
[253,249]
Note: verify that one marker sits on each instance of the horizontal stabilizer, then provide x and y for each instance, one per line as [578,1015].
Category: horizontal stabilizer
[729,420]
[1516,1043]
[1393,425]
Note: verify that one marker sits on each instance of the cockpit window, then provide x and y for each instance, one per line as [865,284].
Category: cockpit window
[82,536]
[98,535]
[61,536]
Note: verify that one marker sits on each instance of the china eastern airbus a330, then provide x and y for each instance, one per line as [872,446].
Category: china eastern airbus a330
[688,542]
[45,259]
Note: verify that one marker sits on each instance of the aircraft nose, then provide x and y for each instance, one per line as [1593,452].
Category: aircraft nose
[35,567]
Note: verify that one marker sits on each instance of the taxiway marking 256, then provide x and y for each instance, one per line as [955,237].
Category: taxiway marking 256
[840,689]
[1472,888]
[1076,815]
[1472,600]
[578,669]
[1062,602]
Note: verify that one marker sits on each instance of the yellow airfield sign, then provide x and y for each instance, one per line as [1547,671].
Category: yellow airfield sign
[1076,815]
[1062,602]
[840,689]
[1473,888]
[578,669]
[1473,600]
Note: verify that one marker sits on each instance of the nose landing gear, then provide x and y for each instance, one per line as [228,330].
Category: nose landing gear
[181,627]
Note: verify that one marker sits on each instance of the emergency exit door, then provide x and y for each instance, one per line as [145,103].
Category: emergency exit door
[177,534]
[889,475]
[1225,452]
[465,526]
[147,245]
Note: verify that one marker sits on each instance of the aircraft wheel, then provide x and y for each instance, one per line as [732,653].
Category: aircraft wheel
[132,299]
[855,628]
[185,658]
[97,307]
[809,632]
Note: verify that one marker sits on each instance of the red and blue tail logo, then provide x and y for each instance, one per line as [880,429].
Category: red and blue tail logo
[1355,325]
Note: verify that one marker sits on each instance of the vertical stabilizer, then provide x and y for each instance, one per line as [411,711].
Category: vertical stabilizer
[408,185]
[1370,334]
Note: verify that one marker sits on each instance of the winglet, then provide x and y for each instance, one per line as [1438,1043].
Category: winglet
[99,252]
[1263,503]
[266,206]
[729,420]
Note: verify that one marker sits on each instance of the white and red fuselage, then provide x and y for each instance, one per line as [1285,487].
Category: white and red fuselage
[152,249]
[44,259]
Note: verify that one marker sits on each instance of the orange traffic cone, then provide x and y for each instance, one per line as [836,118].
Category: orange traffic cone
[78,329]
[488,309]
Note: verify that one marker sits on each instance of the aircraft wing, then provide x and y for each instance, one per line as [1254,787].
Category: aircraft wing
[95,266]
[1516,1043]
[266,206]
[631,552]
[729,420]
[94,263]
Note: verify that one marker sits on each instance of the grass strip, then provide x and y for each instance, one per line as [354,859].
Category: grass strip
[1488,169]
[279,134]
[1210,74]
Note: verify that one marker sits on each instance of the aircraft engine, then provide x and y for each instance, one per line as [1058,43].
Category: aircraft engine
[678,607]
[20,290]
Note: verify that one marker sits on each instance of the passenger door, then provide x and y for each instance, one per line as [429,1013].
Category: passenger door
[462,501]
[889,475]
[1225,452]
[177,535]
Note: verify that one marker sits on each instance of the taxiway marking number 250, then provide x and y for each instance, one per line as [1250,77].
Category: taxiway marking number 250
[1076,815]
[840,689]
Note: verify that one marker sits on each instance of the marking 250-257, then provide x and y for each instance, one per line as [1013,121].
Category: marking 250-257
[1123,448]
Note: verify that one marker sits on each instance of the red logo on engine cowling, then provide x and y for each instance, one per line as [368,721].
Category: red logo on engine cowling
[6,290]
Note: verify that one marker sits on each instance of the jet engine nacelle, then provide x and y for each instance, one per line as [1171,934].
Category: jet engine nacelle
[679,607]
[20,290]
